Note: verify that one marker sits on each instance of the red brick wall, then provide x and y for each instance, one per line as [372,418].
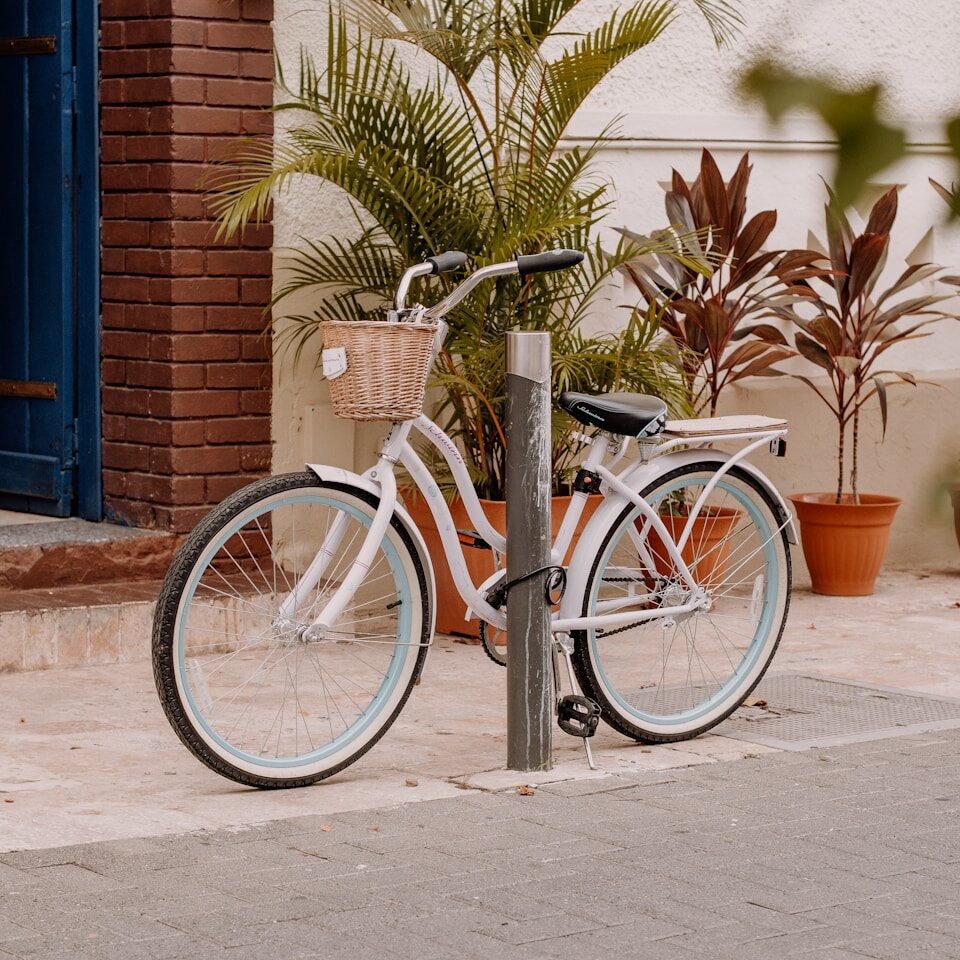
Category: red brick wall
[186,374]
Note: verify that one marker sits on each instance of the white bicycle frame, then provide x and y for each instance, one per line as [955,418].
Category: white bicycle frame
[614,487]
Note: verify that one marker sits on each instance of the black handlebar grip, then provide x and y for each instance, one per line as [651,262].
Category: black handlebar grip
[446,262]
[546,262]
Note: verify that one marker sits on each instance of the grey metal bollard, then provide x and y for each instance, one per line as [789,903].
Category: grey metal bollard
[529,686]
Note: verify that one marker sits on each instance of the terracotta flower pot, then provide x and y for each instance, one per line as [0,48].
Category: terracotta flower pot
[955,496]
[710,527]
[451,610]
[844,543]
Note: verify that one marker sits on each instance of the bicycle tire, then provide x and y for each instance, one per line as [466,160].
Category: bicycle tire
[183,571]
[589,671]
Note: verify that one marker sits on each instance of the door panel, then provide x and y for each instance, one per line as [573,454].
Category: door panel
[36,256]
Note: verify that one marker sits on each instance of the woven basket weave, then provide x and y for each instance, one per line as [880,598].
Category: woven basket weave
[387,367]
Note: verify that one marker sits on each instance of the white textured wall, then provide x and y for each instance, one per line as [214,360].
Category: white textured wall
[678,95]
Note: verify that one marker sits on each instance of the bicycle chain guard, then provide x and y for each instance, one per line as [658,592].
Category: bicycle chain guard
[578,716]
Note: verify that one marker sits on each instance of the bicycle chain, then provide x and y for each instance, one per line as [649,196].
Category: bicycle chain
[491,651]
[629,626]
[488,648]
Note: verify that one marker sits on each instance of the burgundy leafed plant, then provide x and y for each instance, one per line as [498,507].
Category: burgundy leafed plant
[719,279]
[847,329]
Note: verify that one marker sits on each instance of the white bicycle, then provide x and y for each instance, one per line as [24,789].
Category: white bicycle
[297,617]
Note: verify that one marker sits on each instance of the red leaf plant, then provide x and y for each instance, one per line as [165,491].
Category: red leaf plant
[847,328]
[720,277]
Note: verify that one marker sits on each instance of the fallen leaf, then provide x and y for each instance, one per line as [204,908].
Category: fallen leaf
[645,750]
[526,791]
[326,827]
[957,604]
[410,782]
[7,800]
[755,702]
[374,829]
[812,626]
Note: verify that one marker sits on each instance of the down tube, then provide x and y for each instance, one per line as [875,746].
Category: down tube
[462,479]
[448,536]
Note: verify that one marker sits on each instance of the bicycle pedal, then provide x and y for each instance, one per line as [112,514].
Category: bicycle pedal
[578,716]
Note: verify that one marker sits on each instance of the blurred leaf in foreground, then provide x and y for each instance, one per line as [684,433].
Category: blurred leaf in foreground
[865,144]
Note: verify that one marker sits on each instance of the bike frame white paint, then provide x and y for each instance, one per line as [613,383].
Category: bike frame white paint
[618,490]
[348,478]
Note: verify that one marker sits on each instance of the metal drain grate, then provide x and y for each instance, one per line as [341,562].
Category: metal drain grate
[810,711]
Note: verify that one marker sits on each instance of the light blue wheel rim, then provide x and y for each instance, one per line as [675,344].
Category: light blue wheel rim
[391,677]
[764,625]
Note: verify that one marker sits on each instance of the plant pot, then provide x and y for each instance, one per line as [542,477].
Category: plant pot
[710,527]
[844,543]
[451,610]
[955,497]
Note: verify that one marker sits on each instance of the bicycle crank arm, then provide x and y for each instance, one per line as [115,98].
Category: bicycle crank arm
[576,714]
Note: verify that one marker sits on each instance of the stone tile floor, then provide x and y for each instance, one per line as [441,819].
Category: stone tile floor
[86,753]
[708,849]
[836,854]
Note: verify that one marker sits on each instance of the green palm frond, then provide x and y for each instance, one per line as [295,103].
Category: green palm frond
[724,18]
[365,265]
[553,94]
[463,153]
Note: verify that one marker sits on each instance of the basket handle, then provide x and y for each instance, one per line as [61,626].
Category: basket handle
[447,262]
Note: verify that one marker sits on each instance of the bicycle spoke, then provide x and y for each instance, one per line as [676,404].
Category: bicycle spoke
[672,667]
[265,687]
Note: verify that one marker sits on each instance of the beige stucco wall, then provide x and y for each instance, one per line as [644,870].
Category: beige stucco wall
[675,97]
[922,434]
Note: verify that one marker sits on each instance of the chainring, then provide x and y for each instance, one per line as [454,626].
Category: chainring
[488,642]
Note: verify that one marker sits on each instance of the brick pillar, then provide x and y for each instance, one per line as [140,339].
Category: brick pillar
[186,374]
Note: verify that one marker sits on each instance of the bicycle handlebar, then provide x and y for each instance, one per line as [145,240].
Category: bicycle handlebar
[447,262]
[453,260]
[548,262]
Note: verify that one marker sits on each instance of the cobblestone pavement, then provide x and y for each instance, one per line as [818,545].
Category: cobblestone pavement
[849,852]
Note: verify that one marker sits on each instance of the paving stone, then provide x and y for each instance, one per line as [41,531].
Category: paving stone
[848,853]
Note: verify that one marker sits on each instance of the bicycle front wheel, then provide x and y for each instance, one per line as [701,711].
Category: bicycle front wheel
[674,677]
[249,690]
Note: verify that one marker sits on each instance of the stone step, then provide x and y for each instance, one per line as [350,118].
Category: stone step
[93,625]
[63,553]
[76,626]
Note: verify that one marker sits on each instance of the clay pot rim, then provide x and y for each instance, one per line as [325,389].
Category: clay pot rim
[709,510]
[828,500]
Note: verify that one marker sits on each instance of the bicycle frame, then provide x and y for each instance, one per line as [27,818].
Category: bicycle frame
[612,613]
[615,487]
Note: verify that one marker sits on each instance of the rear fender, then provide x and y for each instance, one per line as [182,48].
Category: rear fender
[638,479]
[349,478]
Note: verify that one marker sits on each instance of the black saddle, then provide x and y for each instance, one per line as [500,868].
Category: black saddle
[626,414]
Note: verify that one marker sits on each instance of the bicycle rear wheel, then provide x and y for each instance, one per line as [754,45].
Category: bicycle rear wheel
[672,678]
[248,691]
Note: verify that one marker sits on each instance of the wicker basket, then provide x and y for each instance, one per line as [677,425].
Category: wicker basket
[386,368]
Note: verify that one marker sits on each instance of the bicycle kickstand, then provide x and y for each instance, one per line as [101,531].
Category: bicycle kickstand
[577,715]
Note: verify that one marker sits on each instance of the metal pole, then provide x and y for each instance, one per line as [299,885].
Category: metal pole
[529,686]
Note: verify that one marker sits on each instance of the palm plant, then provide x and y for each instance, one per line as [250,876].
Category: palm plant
[715,278]
[846,329]
[468,159]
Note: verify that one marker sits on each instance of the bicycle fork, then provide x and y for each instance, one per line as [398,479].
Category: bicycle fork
[322,625]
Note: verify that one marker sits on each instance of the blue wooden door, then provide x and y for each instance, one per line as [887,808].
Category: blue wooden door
[37,276]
